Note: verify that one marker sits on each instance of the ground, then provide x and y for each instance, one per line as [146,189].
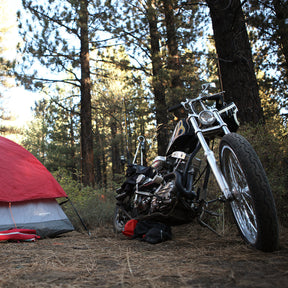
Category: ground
[195,257]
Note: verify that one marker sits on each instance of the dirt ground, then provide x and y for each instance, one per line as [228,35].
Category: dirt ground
[195,257]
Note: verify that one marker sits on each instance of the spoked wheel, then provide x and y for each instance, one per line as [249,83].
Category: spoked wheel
[253,203]
[120,219]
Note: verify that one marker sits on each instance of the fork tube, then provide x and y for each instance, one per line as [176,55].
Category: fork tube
[211,160]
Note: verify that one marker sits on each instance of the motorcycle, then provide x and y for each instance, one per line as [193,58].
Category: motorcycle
[175,188]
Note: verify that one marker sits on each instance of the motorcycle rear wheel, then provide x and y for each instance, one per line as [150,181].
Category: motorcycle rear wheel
[253,204]
[120,219]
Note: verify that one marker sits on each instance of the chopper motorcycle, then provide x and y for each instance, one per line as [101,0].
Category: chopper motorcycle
[175,188]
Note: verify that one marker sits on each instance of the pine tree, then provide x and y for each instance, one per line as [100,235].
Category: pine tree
[235,59]
[157,76]
[58,37]
[85,88]
[7,44]
[268,22]
[52,135]
[36,136]
[118,107]
[174,66]
[281,13]
[155,44]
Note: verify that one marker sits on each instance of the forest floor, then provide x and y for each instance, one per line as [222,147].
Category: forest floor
[195,257]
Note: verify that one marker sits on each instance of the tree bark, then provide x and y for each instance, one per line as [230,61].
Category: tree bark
[98,156]
[173,63]
[86,120]
[116,164]
[158,87]
[235,59]
[73,166]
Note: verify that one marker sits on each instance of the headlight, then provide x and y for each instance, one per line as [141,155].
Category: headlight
[206,117]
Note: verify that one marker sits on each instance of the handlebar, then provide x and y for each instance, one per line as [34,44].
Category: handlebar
[175,107]
[217,96]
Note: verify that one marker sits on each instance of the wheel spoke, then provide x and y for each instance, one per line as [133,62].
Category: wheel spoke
[242,205]
[249,211]
[251,198]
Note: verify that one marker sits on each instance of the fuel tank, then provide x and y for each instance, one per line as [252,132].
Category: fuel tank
[183,138]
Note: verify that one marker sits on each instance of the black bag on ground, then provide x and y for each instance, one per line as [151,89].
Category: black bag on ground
[152,232]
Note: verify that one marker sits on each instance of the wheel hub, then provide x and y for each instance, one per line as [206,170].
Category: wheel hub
[236,194]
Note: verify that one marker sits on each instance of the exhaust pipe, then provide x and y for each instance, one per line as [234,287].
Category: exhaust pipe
[185,192]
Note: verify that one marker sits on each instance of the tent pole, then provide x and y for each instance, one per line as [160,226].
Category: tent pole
[76,212]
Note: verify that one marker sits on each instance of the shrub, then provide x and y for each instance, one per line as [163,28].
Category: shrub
[271,146]
[95,206]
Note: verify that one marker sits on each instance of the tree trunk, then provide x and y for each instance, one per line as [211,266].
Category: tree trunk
[73,167]
[116,165]
[103,157]
[98,170]
[235,59]
[86,121]
[159,89]
[281,11]
[173,63]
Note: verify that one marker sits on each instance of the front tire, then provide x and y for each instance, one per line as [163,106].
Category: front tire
[253,204]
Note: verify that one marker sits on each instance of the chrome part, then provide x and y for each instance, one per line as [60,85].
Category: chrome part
[206,86]
[141,140]
[242,204]
[157,179]
[211,160]
[143,193]
[158,162]
[179,155]
[231,108]
[140,178]
[163,197]
[206,117]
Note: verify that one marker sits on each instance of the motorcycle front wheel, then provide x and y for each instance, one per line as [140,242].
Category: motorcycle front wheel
[252,203]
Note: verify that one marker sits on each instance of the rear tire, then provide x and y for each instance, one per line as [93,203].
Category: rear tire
[253,205]
[120,219]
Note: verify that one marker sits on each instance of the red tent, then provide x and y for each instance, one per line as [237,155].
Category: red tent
[23,177]
[26,183]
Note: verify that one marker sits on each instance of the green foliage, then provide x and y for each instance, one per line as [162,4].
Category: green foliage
[271,146]
[95,206]
[269,47]
[8,42]
[53,135]
[121,108]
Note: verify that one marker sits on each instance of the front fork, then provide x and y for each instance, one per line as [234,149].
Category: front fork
[209,154]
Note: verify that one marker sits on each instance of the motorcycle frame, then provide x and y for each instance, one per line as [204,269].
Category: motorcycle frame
[141,146]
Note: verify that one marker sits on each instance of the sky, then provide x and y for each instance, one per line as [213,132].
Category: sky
[19,101]
[16,100]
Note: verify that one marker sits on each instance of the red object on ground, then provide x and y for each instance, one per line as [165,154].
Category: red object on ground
[130,227]
[19,235]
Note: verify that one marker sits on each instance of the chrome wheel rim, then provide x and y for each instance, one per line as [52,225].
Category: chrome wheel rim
[120,220]
[242,203]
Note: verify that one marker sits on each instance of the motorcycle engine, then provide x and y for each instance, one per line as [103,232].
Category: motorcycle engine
[164,197]
[154,194]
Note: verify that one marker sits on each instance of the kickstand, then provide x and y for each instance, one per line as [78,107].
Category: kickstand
[207,225]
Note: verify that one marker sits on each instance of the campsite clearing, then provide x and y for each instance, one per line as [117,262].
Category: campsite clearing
[194,258]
